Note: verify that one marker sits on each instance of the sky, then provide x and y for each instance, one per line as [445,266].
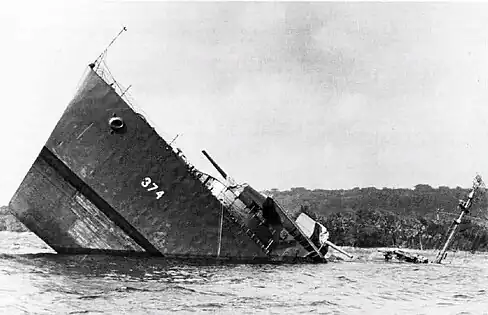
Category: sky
[323,95]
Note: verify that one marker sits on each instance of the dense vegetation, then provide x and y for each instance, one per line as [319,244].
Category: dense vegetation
[370,217]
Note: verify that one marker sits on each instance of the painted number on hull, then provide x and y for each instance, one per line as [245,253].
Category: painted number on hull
[151,186]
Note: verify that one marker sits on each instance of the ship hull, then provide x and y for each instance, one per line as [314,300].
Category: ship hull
[106,182]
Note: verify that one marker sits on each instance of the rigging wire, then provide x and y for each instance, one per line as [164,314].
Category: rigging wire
[102,55]
[100,63]
[221,228]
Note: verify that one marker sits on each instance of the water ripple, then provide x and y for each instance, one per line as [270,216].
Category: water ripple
[44,283]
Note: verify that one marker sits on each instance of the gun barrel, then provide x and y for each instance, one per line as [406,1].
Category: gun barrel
[220,170]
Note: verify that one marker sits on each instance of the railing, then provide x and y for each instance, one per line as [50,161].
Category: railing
[104,73]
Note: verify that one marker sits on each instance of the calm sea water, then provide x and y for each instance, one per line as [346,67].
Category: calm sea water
[52,284]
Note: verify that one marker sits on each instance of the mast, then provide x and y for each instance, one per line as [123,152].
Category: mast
[464,206]
[99,59]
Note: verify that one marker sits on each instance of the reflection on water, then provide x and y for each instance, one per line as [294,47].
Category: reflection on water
[55,284]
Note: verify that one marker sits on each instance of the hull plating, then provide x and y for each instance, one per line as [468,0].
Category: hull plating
[97,187]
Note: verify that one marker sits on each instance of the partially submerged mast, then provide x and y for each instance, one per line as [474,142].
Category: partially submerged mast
[464,205]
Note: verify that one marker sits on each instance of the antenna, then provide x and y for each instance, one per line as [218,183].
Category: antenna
[174,139]
[102,55]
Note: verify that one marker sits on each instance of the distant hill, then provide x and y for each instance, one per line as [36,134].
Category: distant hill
[8,222]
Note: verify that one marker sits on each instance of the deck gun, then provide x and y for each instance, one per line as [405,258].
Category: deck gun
[229,179]
[274,214]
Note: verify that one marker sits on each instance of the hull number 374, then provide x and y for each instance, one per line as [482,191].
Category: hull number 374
[152,186]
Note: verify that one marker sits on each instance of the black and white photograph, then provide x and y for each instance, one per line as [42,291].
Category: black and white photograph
[244,157]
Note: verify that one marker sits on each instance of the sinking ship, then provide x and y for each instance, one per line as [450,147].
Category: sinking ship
[106,182]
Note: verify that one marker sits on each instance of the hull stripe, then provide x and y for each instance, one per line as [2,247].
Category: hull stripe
[98,201]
